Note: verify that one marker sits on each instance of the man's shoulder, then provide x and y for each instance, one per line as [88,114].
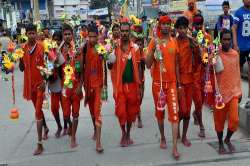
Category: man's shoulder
[234,52]
[239,11]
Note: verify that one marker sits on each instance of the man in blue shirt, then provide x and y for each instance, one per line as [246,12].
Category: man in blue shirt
[241,37]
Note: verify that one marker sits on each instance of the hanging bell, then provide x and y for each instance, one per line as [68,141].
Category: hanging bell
[219,104]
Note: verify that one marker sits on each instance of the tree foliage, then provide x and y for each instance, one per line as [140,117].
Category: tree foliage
[96,4]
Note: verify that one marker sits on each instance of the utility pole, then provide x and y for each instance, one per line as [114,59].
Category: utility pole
[36,14]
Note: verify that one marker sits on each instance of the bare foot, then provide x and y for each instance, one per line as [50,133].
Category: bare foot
[163,144]
[123,142]
[202,133]
[73,143]
[94,136]
[176,154]
[140,125]
[222,149]
[39,150]
[99,149]
[65,132]
[45,134]
[130,141]
[58,132]
[186,142]
[230,146]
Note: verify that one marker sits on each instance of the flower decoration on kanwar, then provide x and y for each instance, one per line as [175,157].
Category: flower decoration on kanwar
[69,76]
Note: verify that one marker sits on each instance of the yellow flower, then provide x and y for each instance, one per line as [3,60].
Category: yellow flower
[19,52]
[66,82]
[68,70]
[101,50]
[205,58]
[7,63]
[53,44]
[15,57]
[46,45]
[200,37]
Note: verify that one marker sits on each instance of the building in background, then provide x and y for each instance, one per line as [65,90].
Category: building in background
[71,7]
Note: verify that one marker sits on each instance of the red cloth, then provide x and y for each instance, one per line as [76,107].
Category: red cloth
[95,104]
[169,53]
[230,111]
[127,104]
[71,101]
[37,100]
[126,95]
[185,101]
[56,99]
[32,75]
[162,20]
[171,100]
[71,105]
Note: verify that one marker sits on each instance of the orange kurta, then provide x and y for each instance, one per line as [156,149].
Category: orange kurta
[126,94]
[93,82]
[186,64]
[170,52]
[32,76]
[190,14]
[230,90]
[70,100]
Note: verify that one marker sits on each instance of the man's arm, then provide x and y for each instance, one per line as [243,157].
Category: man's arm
[21,65]
[150,57]
[235,41]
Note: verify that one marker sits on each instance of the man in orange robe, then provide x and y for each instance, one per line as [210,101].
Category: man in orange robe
[164,74]
[199,74]
[34,85]
[126,89]
[93,83]
[230,90]
[189,52]
[71,96]
[190,12]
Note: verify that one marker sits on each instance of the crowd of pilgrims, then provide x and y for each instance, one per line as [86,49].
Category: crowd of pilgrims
[186,64]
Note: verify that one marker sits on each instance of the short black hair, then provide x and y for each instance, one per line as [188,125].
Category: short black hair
[67,27]
[30,27]
[181,21]
[57,34]
[115,25]
[93,28]
[226,3]
[225,31]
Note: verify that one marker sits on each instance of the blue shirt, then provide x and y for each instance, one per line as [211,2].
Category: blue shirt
[242,19]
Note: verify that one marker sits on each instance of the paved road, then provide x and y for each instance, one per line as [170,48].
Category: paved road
[18,139]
